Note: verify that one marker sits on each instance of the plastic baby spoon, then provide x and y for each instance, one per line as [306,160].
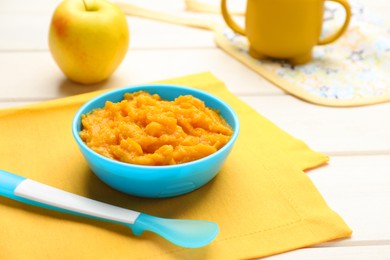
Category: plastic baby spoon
[185,233]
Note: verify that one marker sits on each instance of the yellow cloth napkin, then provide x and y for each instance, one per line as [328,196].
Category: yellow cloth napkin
[262,200]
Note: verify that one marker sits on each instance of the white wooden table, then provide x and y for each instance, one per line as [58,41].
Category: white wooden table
[356,183]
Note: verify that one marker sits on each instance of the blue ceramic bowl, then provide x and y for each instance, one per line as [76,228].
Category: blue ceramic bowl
[156,181]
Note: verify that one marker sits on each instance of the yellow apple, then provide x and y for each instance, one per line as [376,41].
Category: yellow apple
[88,39]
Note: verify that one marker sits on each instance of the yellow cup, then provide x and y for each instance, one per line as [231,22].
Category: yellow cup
[285,29]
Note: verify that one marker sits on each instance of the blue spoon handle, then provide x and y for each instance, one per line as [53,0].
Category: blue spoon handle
[187,233]
[8,183]
[38,194]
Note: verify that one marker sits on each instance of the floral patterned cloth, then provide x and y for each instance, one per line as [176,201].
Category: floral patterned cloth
[354,70]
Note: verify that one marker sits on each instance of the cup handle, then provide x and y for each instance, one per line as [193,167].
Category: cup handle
[337,34]
[229,21]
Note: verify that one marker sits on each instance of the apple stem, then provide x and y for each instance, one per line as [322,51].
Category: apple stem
[90,5]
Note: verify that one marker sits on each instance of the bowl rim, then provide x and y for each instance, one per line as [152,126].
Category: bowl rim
[133,88]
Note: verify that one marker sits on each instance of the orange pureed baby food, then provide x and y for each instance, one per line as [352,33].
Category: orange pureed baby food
[144,129]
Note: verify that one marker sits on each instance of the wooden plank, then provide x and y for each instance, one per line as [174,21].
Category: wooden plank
[30,32]
[358,188]
[380,252]
[44,6]
[335,131]
[143,35]
[34,75]
[28,7]
[11,104]
[23,32]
